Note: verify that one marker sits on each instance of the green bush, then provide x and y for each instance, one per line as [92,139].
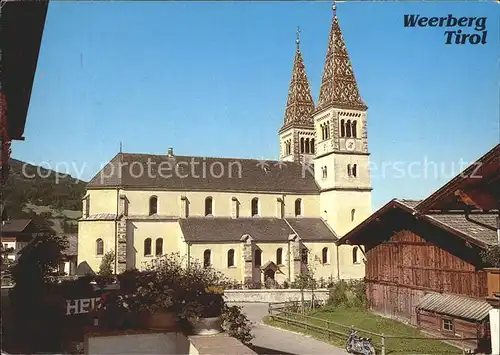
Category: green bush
[351,294]
[106,267]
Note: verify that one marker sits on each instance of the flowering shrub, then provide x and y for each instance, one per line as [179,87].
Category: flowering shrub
[178,285]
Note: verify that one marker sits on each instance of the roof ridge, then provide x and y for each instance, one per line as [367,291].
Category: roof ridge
[207,157]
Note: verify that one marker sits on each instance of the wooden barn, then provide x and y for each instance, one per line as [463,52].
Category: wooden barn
[426,268]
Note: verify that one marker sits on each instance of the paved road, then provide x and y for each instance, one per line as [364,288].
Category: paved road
[269,340]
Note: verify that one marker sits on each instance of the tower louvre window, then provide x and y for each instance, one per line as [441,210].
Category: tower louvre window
[288,147]
[348,128]
[302,145]
[342,128]
[327,129]
[355,170]
[349,173]
[354,132]
[312,146]
[307,145]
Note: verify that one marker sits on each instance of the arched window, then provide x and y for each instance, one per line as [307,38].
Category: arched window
[353,214]
[208,206]
[207,258]
[312,146]
[258,257]
[298,207]
[349,172]
[147,247]
[327,129]
[348,128]
[99,247]
[325,172]
[322,126]
[159,246]
[153,205]
[302,145]
[308,145]
[279,256]
[354,170]
[324,255]
[255,206]
[305,256]
[355,255]
[230,258]
[342,128]
[354,132]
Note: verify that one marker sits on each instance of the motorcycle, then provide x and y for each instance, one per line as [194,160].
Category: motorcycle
[358,345]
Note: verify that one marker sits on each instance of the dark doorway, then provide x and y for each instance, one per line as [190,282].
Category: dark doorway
[269,274]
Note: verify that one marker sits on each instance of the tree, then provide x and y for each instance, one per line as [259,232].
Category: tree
[106,267]
[37,309]
[491,256]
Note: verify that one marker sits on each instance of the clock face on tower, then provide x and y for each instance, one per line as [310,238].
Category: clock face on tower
[350,145]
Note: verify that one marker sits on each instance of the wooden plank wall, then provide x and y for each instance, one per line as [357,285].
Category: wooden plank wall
[407,260]
[463,329]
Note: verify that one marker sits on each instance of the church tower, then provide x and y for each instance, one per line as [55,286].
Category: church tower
[341,164]
[297,141]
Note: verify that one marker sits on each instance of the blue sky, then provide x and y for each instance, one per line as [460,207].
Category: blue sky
[211,79]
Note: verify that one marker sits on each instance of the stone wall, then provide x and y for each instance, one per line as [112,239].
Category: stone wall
[269,295]
[136,343]
[163,343]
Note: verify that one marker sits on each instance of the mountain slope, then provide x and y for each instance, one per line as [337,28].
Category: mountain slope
[52,199]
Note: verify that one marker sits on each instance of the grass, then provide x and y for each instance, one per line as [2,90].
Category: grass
[362,319]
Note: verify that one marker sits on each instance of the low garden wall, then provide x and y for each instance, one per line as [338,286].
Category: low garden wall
[272,295]
[151,342]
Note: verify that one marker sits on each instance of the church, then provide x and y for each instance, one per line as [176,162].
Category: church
[251,219]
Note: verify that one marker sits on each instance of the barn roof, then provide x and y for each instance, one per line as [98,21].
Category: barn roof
[222,229]
[478,228]
[187,173]
[25,22]
[456,306]
[477,187]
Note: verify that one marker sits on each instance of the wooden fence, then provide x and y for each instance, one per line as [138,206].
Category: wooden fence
[294,313]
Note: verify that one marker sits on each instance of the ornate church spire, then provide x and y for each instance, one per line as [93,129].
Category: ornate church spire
[338,84]
[300,104]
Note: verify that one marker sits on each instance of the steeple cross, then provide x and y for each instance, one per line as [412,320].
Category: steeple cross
[298,37]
